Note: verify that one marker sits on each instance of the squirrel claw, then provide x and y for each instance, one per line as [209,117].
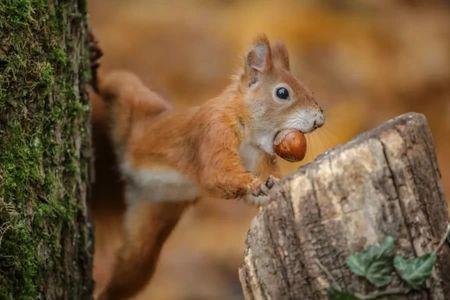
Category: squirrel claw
[259,200]
[260,196]
[271,181]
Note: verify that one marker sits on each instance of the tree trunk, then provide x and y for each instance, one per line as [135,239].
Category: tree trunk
[45,237]
[384,182]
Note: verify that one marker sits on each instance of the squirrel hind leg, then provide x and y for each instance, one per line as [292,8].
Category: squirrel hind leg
[146,228]
[128,101]
[113,84]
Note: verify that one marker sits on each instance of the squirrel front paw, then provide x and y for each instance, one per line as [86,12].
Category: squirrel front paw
[259,191]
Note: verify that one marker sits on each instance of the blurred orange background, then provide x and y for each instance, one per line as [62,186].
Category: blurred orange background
[366,61]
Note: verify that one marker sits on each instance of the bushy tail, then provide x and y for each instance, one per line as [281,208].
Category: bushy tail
[128,101]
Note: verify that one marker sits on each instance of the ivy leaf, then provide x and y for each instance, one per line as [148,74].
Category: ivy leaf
[375,263]
[386,249]
[416,270]
[379,272]
[335,294]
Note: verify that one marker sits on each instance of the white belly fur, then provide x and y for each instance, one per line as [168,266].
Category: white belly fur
[158,185]
[250,156]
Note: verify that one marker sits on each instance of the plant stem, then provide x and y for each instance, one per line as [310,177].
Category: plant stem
[328,273]
[441,243]
[379,294]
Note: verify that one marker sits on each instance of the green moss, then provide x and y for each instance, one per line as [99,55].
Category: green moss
[41,165]
[60,56]
[47,76]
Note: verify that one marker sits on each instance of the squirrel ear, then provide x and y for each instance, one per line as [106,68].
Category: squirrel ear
[280,55]
[259,57]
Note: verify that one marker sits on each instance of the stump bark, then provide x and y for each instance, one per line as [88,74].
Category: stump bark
[383,182]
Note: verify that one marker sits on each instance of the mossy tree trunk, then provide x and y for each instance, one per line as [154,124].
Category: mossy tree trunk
[45,237]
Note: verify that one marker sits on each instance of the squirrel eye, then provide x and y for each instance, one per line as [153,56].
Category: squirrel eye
[282,93]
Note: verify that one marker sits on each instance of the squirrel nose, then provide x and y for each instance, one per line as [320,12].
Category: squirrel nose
[317,124]
[319,119]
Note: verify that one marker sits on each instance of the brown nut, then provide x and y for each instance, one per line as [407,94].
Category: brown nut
[290,145]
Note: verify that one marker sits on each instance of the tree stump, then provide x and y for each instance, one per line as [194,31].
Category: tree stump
[383,182]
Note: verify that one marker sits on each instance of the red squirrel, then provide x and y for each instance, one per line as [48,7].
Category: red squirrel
[222,148]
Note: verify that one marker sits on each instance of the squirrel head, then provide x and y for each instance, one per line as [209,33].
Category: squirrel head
[275,98]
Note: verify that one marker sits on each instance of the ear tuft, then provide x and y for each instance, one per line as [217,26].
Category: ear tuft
[259,57]
[280,55]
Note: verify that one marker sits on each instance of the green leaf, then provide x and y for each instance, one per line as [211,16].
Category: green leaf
[387,247]
[375,263]
[358,263]
[379,272]
[416,270]
[335,294]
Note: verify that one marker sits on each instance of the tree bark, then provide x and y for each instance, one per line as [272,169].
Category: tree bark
[384,182]
[45,237]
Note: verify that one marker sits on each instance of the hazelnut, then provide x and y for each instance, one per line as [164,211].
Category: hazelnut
[290,145]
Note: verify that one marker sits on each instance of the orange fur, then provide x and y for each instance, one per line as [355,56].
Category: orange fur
[147,226]
[223,147]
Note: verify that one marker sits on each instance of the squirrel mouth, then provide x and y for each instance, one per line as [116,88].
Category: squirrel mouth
[281,134]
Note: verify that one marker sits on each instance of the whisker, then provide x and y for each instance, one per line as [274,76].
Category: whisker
[309,145]
[330,133]
[322,146]
[313,146]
